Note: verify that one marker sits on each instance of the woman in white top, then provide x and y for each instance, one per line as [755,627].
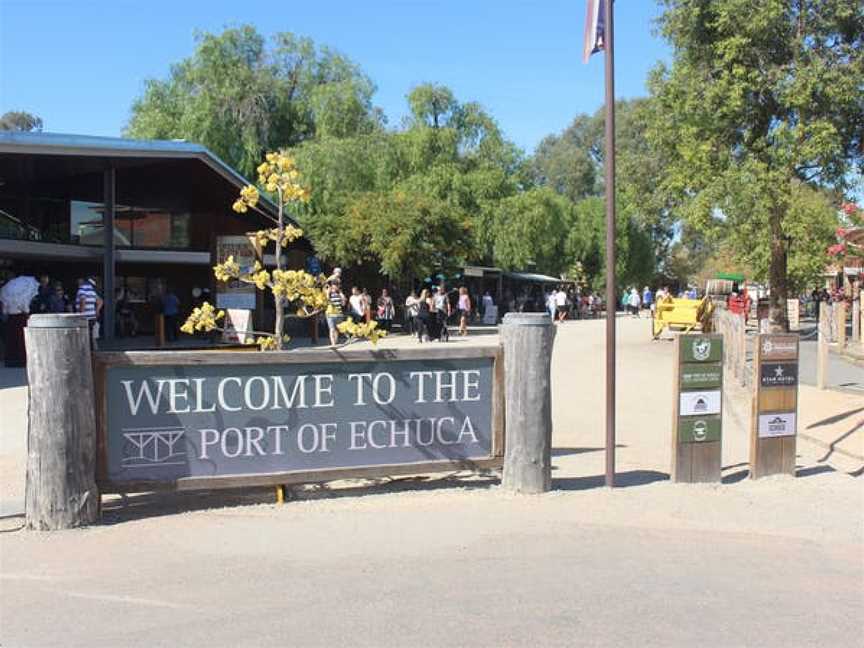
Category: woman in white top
[635,302]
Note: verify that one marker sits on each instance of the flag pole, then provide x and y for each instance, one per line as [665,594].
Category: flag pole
[611,297]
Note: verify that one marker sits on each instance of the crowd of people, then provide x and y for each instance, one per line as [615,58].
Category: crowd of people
[425,314]
[23,296]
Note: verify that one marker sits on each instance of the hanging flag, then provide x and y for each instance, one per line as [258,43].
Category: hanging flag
[594,28]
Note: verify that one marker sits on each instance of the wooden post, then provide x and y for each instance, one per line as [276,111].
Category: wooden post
[773,425]
[840,323]
[61,488]
[159,330]
[528,339]
[856,309]
[822,348]
[697,409]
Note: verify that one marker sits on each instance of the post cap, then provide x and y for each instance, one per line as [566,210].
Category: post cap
[527,319]
[57,320]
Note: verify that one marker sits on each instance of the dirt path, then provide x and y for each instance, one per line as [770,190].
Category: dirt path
[458,562]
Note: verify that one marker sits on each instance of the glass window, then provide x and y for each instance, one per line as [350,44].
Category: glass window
[136,227]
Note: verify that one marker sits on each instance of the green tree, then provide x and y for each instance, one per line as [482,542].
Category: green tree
[240,97]
[17,120]
[529,231]
[572,164]
[586,244]
[449,156]
[762,101]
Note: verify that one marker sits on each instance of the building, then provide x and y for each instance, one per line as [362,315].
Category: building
[139,214]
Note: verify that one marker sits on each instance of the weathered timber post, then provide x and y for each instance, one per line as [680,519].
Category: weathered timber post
[61,488]
[840,323]
[823,333]
[856,309]
[528,339]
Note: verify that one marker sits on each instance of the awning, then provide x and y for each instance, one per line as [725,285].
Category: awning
[730,276]
[534,277]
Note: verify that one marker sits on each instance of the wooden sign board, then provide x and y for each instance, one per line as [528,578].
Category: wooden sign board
[208,419]
[697,411]
[775,403]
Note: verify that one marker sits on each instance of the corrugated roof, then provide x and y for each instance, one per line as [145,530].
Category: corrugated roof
[70,144]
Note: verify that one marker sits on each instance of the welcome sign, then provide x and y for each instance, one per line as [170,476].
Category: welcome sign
[169,422]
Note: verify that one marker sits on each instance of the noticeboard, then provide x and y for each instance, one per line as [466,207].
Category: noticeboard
[235,294]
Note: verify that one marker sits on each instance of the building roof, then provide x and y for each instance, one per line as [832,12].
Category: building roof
[120,147]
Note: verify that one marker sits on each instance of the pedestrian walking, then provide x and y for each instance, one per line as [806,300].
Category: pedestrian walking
[58,302]
[367,305]
[425,315]
[634,302]
[464,310]
[16,295]
[442,310]
[561,304]
[171,312]
[386,310]
[89,304]
[647,299]
[335,311]
[412,306]
[357,306]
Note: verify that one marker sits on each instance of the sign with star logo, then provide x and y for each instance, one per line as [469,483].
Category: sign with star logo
[778,374]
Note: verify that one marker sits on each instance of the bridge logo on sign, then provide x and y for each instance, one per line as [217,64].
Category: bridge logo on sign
[777,424]
[702,349]
[149,447]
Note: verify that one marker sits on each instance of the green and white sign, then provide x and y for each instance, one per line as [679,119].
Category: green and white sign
[698,429]
[701,348]
[701,376]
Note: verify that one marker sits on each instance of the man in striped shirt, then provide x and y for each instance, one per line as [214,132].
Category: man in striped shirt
[88,303]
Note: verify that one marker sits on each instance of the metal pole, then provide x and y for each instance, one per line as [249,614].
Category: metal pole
[108,264]
[611,297]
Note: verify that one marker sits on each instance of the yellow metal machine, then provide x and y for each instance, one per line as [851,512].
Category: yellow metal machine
[682,315]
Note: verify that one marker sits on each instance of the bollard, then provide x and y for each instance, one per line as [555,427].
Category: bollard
[528,339]
[61,490]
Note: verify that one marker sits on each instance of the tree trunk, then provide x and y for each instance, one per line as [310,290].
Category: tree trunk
[279,302]
[777,276]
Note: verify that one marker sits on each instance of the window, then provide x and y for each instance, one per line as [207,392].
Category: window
[136,227]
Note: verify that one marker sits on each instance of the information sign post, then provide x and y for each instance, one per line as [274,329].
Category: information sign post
[775,406]
[698,408]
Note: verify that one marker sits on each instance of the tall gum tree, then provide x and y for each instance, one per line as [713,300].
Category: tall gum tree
[762,99]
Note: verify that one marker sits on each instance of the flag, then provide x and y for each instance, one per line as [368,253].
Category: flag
[594,28]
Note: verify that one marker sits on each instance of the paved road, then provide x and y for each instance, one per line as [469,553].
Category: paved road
[456,561]
[842,372]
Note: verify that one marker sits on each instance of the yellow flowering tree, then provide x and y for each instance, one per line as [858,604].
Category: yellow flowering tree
[281,179]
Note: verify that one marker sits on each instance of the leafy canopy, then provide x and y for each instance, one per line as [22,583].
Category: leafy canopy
[761,107]
[241,96]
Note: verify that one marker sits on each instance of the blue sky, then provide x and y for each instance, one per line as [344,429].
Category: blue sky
[80,63]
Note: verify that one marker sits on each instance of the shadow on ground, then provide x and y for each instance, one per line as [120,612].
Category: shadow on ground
[622,480]
[561,452]
[125,508]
